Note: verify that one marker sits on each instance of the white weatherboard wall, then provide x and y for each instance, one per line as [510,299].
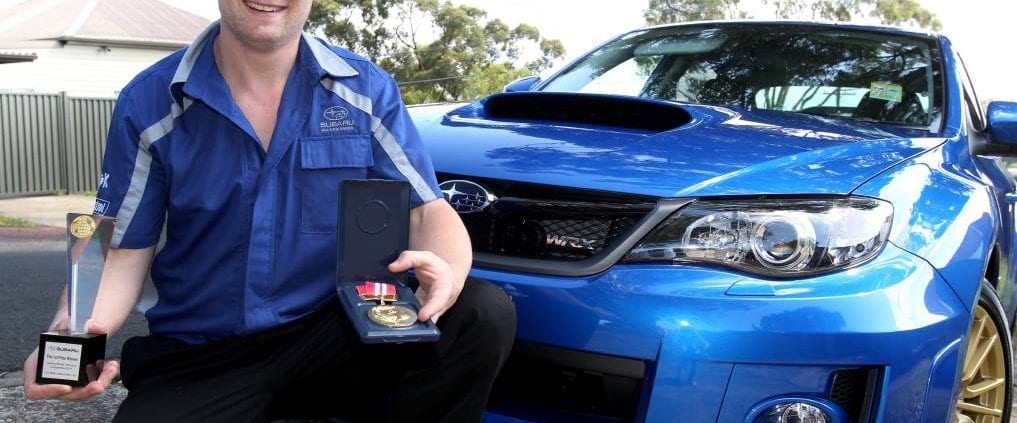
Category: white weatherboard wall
[80,70]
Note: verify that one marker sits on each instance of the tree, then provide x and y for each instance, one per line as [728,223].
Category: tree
[356,24]
[906,12]
[889,12]
[438,51]
[668,11]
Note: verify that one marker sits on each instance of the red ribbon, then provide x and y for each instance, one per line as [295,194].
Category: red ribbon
[374,291]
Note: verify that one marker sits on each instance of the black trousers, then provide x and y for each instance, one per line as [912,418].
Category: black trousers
[317,368]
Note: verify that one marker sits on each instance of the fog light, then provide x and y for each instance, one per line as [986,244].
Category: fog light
[797,412]
[797,409]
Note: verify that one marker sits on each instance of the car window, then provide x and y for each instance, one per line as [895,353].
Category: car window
[627,78]
[835,72]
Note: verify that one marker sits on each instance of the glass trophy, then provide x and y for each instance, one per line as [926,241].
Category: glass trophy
[65,354]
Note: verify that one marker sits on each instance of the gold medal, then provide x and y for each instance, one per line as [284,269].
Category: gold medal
[82,226]
[393,316]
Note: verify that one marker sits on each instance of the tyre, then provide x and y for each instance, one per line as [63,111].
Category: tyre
[986,384]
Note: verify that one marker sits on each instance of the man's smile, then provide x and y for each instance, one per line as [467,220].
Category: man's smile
[261,7]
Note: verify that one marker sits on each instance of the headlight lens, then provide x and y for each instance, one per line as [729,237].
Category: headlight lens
[784,242]
[771,237]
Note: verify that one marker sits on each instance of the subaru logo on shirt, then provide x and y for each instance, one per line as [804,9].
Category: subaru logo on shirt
[466,197]
[337,119]
[336,113]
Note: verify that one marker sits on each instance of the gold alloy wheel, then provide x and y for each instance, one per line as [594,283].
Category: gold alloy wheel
[983,384]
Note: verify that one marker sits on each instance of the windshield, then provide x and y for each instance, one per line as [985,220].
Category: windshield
[826,71]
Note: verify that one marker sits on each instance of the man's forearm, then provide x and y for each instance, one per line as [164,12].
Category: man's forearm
[122,279]
[435,227]
[60,318]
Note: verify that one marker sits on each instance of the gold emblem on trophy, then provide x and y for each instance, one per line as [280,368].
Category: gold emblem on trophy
[82,226]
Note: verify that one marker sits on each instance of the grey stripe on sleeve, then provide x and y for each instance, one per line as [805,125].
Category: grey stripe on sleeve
[358,100]
[398,156]
[385,139]
[142,167]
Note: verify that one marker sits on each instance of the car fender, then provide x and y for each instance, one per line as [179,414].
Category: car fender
[946,218]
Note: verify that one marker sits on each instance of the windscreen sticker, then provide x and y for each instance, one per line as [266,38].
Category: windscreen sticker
[886,91]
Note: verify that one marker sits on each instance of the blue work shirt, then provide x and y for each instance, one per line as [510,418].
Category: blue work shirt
[250,235]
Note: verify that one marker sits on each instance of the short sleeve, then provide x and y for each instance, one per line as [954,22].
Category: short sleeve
[132,186]
[399,154]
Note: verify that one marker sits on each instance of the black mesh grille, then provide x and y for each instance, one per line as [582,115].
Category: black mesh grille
[574,237]
[853,390]
[549,223]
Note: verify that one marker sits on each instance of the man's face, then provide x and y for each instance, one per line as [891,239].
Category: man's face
[264,24]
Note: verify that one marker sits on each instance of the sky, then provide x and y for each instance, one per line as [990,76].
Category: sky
[974,26]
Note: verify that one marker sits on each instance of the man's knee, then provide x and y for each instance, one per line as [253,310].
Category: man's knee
[490,315]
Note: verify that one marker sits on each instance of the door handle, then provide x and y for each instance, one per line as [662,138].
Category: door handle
[1011,197]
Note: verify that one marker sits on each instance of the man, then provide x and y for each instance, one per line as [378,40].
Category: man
[237,146]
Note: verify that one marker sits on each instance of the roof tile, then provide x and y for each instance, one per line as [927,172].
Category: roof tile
[121,21]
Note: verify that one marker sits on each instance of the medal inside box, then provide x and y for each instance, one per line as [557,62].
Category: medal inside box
[370,330]
[374,230]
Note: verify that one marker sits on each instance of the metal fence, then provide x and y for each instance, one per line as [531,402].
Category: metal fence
[51,143]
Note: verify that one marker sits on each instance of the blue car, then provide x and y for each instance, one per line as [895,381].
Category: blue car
[744,222]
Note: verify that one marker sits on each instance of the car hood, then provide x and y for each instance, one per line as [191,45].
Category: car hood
[712,151]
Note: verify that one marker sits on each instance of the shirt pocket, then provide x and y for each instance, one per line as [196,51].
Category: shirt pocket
[324,163]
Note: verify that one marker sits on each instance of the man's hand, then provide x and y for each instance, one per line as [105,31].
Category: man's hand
[100,375]
[438,288]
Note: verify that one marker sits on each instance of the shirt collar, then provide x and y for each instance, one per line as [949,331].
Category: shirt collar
[327,61]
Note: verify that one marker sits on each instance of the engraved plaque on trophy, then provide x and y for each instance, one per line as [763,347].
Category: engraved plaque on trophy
[64,355]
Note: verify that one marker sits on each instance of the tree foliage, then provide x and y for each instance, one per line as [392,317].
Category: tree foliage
[889,12]
[668,11]
[438,50]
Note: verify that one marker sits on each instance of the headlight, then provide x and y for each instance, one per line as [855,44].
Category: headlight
[771,237]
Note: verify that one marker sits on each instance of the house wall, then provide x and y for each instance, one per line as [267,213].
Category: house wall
[80,70]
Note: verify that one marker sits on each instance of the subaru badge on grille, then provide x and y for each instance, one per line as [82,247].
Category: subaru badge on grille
[466,197]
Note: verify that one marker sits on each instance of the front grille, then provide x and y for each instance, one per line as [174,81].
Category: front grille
[533,234]
[550,223]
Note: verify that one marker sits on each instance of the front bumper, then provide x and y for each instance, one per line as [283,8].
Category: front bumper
[716,343]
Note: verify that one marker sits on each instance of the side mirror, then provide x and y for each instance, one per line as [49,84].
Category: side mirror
[1001,123]
[522,84]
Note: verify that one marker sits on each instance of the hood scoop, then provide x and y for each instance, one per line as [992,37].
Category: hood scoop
[589,109]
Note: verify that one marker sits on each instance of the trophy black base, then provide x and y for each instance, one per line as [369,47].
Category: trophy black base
[371,332]
[64,357]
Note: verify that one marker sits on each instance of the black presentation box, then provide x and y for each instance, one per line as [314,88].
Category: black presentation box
[374,222]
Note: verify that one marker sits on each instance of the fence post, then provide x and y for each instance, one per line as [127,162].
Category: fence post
[65,129]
